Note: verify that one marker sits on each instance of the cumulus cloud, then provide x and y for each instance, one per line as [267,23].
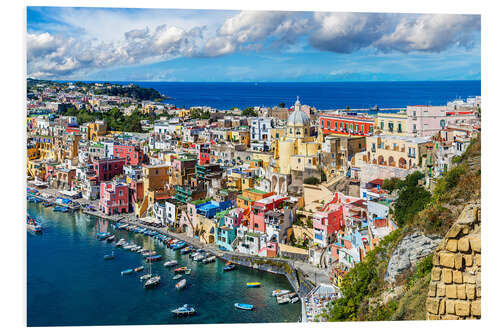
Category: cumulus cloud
[53,55]
[431,33]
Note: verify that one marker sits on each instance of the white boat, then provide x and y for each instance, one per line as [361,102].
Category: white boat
[152,282]
[283,299]
[294,300]
[120,242]
[170,263]
[199,257]
[145,277]
[209,260]
[181,284]
[279,292]
[128,247]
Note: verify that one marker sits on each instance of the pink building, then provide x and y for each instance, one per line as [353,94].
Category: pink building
[107,168]
[259,209]
[425,120]
[326,224]
[114,198]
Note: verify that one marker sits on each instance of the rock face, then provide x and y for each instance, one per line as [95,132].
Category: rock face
[455,287]
[412,248]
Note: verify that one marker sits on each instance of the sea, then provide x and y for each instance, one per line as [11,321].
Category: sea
[322,95]
[69,283]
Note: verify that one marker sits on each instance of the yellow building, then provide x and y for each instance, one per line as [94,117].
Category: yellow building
[277,133]
[297,150]
[148,109]
[392,123]
[183,113]
[155,179]
[97,129]
[36,169]
[395,151]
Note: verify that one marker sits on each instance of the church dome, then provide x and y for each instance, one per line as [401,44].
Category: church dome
[298,117]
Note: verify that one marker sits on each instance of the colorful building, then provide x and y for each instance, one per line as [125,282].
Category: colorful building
[132,153]
[114,198]
[346,124]
[107,168]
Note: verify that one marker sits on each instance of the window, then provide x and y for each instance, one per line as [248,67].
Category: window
[328,124]
[356,128]
[322,123]
[400,129]
[363,128]
[381,125]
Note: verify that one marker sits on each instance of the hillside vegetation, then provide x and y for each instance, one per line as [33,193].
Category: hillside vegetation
[366,296]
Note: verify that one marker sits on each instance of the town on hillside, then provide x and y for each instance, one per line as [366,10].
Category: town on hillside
[315,187]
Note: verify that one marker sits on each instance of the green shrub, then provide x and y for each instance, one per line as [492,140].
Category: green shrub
[311,181]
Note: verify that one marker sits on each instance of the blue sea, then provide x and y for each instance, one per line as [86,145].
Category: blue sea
[322,95]
[69,283]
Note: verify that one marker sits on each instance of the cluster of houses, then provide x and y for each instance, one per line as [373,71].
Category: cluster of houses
[240,183]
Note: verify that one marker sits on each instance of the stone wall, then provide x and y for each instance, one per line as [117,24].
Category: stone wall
[455,287]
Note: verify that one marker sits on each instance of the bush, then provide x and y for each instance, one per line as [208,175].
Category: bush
[412,199]
[311,181]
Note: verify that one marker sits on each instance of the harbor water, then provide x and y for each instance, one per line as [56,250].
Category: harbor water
[69,283]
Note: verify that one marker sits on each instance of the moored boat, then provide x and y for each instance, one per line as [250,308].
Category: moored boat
[170,263]
[253,284]
[61,209]
[156,257]
[279,292]
[152,282]
[181,284]
[229,267]
[186,250]
[127,271]
[187,271]
[294,300]
[243,306]
[185,310]
[209,259]
[180,269]
[120,242]
[110,238]
[103,235]
[177,277]
[138,269]
[109,256]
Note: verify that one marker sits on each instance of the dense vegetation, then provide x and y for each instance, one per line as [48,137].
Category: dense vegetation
[115,119]
[133,91]
[412,198]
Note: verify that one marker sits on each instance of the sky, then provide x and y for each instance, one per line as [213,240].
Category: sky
[120,44]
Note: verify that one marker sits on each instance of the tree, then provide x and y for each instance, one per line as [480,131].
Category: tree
[249,112]
[412,198]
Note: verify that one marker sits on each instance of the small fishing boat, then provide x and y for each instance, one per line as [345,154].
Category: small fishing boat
[128,247]
[279,292]
[145,277]
[294,300]
[120,242]
[170,263]
[181,284]
[230,267]
[283,299]
[103,235]
[178,246]
[253,284]
[185,310]
[109,256]
[177,277]
[138,269]
[61,209]
[199,257]
[127,271]
[152,282]
[148,253]
[186,250]
[209,259]
[156,257]
[243,306]
[110,238]
[180,269]
[47,204]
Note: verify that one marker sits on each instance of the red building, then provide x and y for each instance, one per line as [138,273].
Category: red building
[107,168]
[347,125]
[132,154]
[204,157]
[259,209]
[74,130]
[114,198]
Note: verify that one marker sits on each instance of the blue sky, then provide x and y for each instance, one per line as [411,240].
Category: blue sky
[214,45]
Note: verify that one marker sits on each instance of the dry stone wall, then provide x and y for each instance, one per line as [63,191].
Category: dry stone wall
[455,287]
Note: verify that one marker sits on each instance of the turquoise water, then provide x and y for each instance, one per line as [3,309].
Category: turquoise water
[69,283]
